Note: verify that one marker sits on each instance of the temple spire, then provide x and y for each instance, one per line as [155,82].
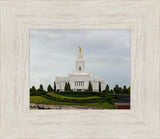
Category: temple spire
[80,49]
[80,67]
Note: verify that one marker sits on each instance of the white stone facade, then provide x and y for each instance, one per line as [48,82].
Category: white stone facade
[79,79]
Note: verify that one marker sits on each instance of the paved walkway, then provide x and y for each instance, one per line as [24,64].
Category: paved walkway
[46,106]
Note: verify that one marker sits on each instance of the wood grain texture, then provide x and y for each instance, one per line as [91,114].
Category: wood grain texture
[18,17]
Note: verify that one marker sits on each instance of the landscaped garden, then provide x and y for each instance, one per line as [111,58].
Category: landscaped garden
[102,100]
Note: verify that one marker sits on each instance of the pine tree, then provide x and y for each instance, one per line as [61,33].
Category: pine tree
[41,91]
[65,88]
[99,86]
[49,88]
[54,87]
[117,89]
[41,87]
[33,91]
[125,90]
[107,89]
[90,86]
[33,88]
[128,89]
[69,88]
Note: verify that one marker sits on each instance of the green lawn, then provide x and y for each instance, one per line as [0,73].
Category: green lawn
[70,98]
[42,100]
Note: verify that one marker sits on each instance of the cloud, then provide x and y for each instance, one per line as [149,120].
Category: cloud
[54,52]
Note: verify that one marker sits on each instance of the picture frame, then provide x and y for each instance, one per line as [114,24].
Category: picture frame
[18,17]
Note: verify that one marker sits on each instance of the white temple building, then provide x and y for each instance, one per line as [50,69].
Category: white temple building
[79,79]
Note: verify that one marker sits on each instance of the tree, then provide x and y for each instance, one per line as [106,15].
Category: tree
[117,89]
[99,86]
[128,89]
[33,88]
[33,91]
[111,91]
[65,87]
[90,86]
[54,87]
[49,88]
[106,89]
[68,85]
[125,90]
[41,91]
[41,87]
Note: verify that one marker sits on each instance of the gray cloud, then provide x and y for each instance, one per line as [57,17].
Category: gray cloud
[54,52]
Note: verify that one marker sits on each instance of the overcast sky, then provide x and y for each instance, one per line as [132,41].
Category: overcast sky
[54,52]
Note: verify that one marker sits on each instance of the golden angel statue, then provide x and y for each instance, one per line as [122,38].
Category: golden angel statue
[80,49]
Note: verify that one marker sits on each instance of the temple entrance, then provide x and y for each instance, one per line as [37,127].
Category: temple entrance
[79,90]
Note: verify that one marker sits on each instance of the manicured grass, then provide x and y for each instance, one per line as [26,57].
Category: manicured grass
[57,97]
[70,98]
[77,94]
[42,100]
[39,100]
[104,105]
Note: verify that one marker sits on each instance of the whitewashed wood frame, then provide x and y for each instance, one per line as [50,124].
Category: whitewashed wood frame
[17,17]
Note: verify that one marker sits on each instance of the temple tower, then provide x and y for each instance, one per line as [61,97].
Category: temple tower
[80,66]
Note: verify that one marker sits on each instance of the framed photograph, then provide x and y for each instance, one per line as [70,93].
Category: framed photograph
[101,76]
[79,69]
